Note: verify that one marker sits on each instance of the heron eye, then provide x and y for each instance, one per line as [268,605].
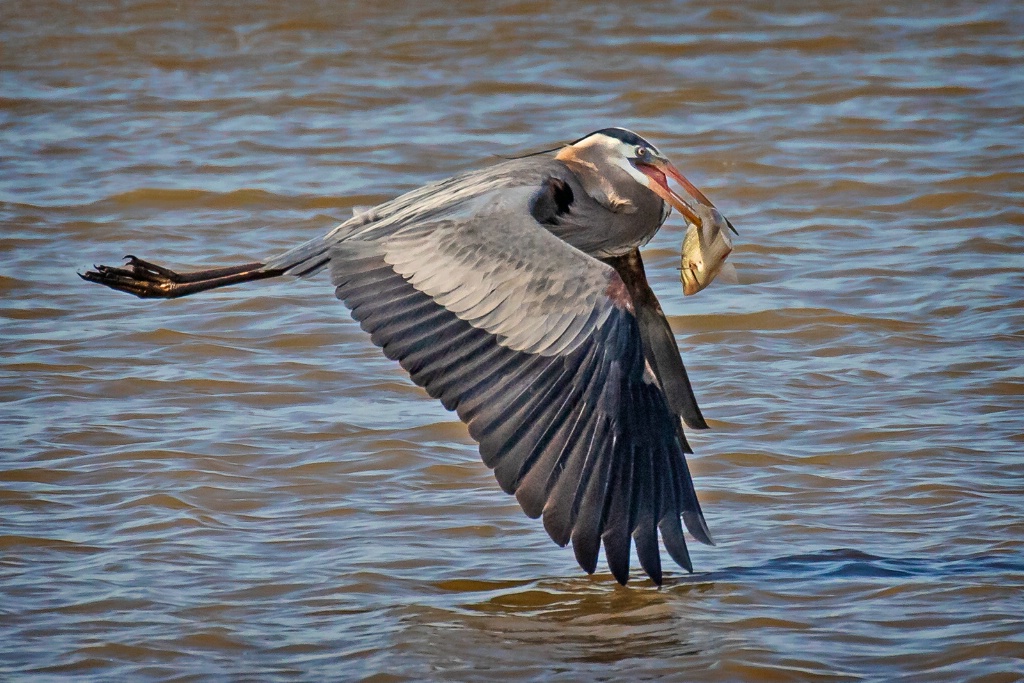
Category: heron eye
[642,152]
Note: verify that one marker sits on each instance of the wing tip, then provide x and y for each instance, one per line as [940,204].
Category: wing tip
[697,527]
[616,553]
[586,553]
[675,542]
[557,524]
[648,552]
[695,420]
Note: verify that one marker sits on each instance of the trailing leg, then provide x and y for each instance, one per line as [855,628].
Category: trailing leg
[150,281]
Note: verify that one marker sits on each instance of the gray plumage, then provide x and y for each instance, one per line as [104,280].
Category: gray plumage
[516,296]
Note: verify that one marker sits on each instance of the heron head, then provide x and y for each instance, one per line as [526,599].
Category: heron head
[643,162]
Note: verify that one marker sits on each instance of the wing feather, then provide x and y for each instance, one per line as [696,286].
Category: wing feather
[563,492]
[535,485]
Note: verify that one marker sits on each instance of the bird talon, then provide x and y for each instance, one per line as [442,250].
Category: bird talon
[151,272]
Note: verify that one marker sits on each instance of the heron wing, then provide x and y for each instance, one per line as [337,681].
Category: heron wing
[535,346]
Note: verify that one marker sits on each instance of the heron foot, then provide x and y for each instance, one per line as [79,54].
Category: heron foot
[141,278]
[149,281]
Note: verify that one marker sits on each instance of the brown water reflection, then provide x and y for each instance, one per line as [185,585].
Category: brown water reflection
[240,486]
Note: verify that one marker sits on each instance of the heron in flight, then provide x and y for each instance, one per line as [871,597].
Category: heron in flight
[516,295]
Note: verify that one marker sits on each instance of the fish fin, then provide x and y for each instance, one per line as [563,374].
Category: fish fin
[728,274]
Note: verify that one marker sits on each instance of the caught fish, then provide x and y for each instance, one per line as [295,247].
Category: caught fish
[704,252]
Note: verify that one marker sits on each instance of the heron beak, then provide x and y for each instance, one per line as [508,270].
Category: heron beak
[659,172]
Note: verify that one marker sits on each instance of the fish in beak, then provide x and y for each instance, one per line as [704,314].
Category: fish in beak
[707,242]
[706,246]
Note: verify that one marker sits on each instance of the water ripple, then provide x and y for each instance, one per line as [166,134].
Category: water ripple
[240,486]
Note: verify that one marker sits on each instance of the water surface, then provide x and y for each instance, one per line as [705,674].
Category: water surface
[239,485]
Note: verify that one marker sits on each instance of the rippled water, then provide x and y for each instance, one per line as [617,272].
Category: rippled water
[239,485]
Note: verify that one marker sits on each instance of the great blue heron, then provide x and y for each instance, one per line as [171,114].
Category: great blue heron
[516,295]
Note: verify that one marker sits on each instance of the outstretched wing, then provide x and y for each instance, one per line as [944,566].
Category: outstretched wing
[536,346]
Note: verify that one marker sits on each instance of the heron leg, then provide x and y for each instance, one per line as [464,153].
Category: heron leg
[149,281]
